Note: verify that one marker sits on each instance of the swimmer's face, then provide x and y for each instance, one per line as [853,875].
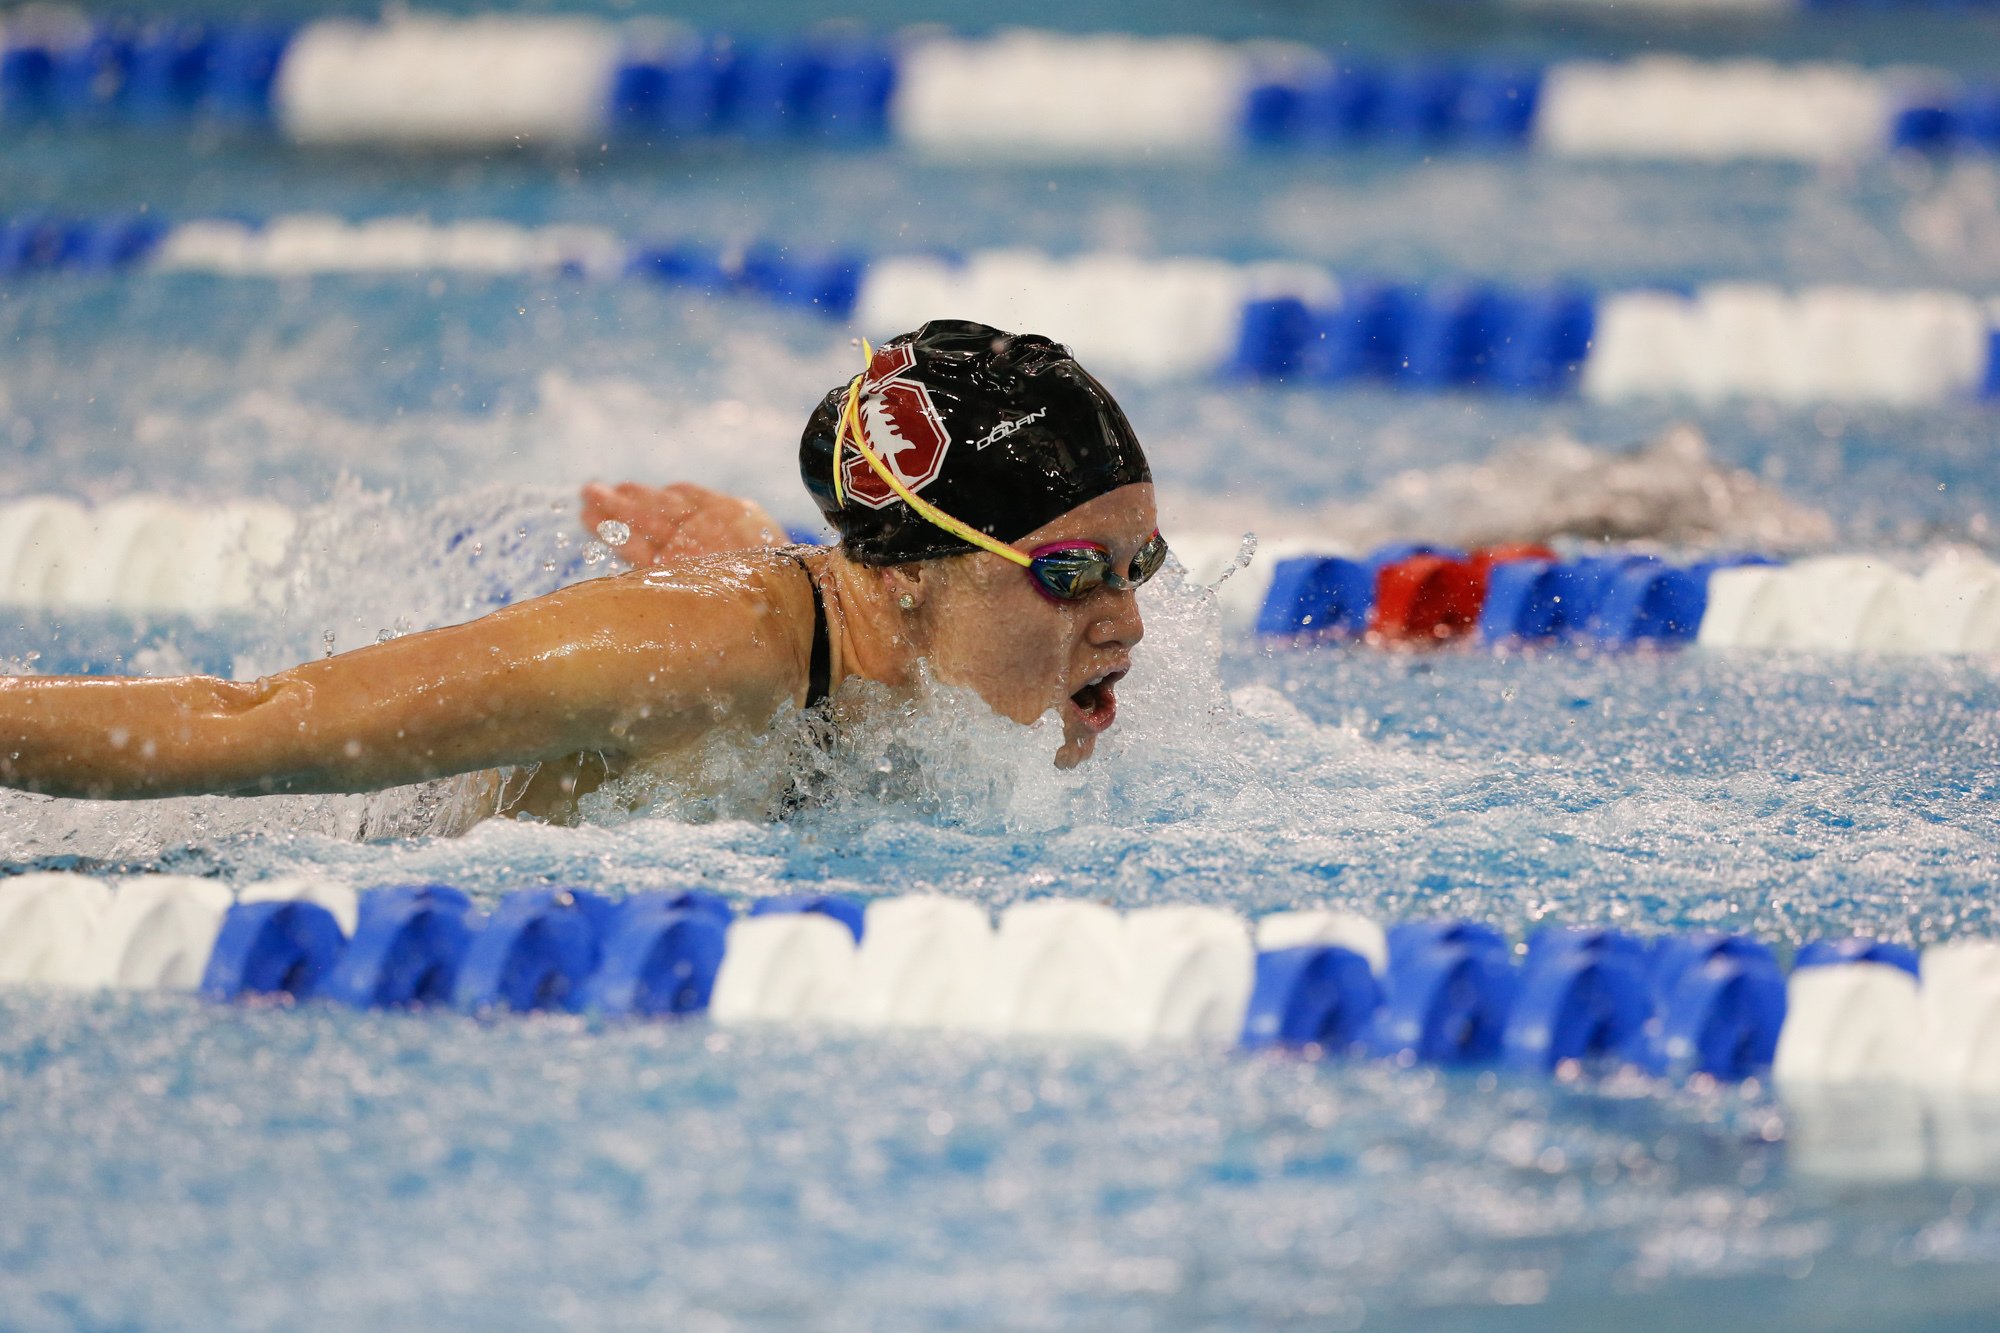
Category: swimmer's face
[991,629]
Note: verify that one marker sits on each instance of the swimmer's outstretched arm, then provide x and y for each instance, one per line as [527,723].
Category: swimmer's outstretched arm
[619,666]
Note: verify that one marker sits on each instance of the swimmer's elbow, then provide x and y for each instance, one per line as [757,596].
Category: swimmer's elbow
[252,738]
[279,735]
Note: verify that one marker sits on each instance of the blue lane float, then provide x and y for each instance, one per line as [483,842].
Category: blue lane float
[429,81]
[828,284]
[1582,998]
[273,948]
[1345,103]
[1456,995]
[536,951]
[1453,335]
[660,957]
[407,947]
[45,243]
[1451,994]
[847,911]
[1446,994]
[1718,1007]
[122,71]
[1314,996]
[1317,595]
[1620,599]
[1297,327]
[829,88]
[1858,949]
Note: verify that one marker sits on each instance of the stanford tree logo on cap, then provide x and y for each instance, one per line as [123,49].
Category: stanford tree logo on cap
[902,425]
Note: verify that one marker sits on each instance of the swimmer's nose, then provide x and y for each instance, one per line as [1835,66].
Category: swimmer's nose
[1117,624]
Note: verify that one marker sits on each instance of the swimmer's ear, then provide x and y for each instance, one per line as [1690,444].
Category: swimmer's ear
[906,585]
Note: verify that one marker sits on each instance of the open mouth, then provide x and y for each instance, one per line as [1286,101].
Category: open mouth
[1096,704]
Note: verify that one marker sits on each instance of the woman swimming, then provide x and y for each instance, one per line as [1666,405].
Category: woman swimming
[995,513]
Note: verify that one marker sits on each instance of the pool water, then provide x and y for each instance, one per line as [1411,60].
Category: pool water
[172,1164]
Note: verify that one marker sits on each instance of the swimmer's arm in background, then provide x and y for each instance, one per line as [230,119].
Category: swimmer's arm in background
[621,667]
[680,520]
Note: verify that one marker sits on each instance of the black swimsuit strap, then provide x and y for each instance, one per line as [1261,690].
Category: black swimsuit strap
[819,682]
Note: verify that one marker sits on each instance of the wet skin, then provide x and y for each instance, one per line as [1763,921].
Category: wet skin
[577,684]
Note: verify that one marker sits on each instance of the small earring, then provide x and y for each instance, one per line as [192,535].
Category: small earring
[907,602]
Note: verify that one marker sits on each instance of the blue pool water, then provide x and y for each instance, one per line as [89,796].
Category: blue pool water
[170,1164]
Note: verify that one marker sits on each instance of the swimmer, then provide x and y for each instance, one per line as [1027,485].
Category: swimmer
[995,514]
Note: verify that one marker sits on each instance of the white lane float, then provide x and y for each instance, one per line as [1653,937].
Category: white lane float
[46,923]
[1673,108]
[1961,995]
[1061,967]
[1792,347]
[1851,1023]
[139,554]
[1192,972]
[1040,94]
[449,82]
[41,538]
[1850,604]
[308,244]
[922,963]
[156,934]
[786,967]
[1856,604]
[1155,319]
[126,562]
[1962,597]
[1852,1050]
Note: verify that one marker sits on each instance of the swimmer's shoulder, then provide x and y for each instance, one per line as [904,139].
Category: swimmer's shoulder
[747,615]
[750,587]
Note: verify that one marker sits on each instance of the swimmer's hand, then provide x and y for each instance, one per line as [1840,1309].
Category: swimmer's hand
[677,521]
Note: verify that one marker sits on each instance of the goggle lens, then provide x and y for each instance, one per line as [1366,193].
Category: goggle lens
[1148,560]
[1072,571]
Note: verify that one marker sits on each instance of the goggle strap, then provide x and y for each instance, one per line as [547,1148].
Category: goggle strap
[851,420]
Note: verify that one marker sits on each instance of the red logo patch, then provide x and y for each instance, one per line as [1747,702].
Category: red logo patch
[903,428]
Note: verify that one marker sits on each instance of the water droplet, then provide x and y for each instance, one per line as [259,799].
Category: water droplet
[327,639]
[595,553]
[613,533]
[1245,553]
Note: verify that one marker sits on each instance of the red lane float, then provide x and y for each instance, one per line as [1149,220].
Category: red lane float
[1430,597]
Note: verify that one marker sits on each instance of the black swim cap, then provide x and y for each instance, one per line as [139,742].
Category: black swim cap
[1003,431]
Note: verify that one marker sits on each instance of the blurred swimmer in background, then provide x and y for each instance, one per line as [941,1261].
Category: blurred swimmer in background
[995,514]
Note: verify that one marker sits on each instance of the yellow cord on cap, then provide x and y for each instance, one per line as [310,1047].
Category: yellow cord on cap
[840,435]
[924,508]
